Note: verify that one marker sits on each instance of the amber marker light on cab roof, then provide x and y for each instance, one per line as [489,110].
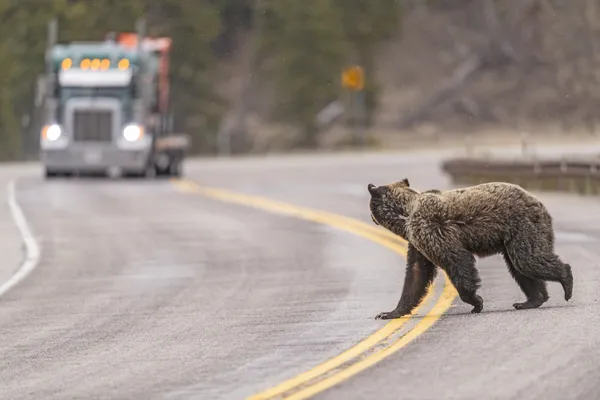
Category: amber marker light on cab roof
[95,64]
[123,64]
[67,63]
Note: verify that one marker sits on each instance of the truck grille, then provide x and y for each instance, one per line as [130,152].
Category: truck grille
[92,126]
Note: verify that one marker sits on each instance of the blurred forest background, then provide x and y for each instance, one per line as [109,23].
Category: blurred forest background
[266,73]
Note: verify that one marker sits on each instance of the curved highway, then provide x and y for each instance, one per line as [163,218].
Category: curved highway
[162,290]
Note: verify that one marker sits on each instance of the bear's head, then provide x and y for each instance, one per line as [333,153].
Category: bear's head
[390,205]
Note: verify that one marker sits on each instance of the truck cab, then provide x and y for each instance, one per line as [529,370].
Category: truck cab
[106,110]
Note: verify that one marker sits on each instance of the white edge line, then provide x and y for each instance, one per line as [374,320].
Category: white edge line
[32,250]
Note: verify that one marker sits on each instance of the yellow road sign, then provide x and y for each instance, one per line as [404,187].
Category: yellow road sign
[353,78]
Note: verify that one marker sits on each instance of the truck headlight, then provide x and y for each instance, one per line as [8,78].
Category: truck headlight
[131,133]
[52,132]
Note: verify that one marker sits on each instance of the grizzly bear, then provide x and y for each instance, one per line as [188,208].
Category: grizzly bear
[449,228]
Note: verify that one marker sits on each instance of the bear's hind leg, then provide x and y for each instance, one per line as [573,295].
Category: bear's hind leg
[534,289]
[460,266]
[541,263]
[567,282]
[551,268]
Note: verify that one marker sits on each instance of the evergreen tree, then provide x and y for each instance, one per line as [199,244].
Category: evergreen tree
[193,25]
[307,49]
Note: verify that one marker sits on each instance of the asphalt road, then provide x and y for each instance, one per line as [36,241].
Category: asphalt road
[143,291]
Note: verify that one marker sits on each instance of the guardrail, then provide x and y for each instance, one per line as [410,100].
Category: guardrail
[577,175]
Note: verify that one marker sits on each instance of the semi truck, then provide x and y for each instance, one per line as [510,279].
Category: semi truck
[106,107]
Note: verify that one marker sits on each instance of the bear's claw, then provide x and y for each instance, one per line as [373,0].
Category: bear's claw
[527,305]
[385,315]
[389,315]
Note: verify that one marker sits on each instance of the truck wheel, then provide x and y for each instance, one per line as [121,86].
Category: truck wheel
[162,163]
[162,172]
[175,169]
[49,174]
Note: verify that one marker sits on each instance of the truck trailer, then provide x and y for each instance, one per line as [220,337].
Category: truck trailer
[106,107]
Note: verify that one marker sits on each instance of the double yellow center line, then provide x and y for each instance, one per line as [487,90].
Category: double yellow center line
[372,349]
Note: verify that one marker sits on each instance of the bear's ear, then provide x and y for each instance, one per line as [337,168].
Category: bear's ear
[405,182]
[372,189]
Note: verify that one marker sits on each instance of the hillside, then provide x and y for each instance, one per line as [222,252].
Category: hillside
[539,72]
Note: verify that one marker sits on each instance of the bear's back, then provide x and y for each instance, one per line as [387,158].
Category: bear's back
[495,203]
[480,217]
[498,195]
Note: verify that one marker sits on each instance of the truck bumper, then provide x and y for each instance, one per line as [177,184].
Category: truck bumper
[95,159]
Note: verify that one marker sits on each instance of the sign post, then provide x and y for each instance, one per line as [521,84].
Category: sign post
[353,79]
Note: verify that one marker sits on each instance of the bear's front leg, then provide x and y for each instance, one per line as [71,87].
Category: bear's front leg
[420,273]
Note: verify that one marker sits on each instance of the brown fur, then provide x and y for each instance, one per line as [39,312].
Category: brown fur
[448,228]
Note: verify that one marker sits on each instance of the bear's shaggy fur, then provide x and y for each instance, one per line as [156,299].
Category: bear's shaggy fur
[448,228]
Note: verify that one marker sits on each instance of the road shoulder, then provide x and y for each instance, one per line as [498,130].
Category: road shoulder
[11,244]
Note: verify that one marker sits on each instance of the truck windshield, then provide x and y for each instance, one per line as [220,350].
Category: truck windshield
[121,92]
